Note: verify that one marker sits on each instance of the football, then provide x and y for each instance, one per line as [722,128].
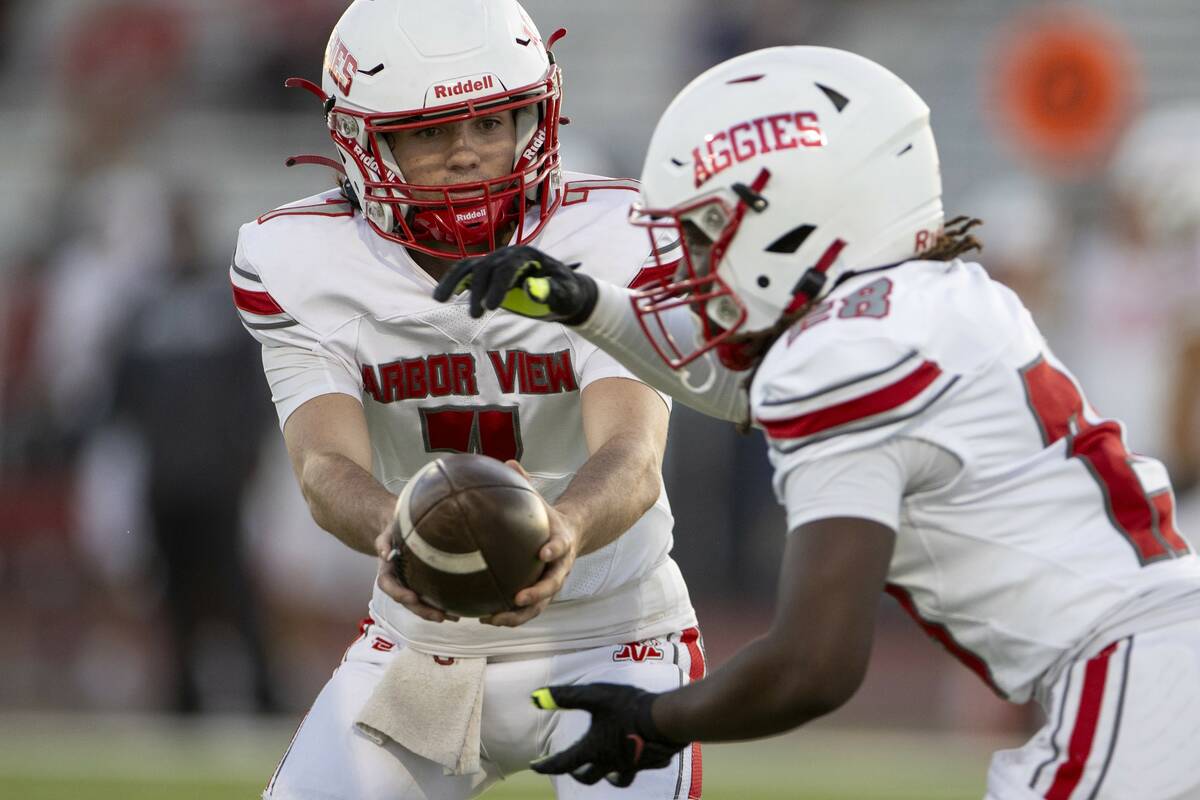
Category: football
[468,529]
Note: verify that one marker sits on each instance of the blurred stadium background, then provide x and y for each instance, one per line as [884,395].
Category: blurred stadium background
[167,608]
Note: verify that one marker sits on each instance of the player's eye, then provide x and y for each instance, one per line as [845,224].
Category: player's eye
[432,132]
[490,124]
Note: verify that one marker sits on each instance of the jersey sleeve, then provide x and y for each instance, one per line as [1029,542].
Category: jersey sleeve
[864,484]
[595,364]
[297,362]
[836,394]
[703,385]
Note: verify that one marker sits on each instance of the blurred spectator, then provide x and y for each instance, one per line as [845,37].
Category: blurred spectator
[24,425]
[1026,238]
[1134,290]
[110,206]
[185,385]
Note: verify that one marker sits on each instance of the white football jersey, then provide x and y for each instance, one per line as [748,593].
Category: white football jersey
[1050,529]
[340,310]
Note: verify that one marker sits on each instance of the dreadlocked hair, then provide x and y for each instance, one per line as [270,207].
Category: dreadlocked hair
[954,239]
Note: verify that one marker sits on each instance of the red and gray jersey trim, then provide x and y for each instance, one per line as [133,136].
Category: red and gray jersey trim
[577,191]
[942,635]
[330,208]
[256,307]
[872,400]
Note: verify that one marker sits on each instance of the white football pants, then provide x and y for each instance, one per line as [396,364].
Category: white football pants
[329,759]
[1123,725]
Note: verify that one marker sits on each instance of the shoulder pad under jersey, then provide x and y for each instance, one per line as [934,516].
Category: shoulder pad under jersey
[592,227]
[859,366]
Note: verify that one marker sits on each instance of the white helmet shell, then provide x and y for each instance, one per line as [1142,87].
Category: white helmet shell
[845,158]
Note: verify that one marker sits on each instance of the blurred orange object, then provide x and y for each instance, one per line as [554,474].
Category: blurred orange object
[1061,84]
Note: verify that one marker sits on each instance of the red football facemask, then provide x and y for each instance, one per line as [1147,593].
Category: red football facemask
[695,282]
[455,220]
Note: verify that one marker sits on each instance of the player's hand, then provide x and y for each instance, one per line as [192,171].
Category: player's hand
[393,586]
[523,280]
[558,553]
[621,741]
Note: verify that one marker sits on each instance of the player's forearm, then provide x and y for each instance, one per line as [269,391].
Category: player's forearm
[612,490]
[764,690]
[704,385]
[346,500]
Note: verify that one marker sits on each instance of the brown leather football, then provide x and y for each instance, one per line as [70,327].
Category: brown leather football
[468,529]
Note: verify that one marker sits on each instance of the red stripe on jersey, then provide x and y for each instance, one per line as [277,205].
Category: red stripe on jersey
[940,634]
[1091,699]
[877,402]
[696,670]
[255,302]
[648,275]
[1164,506]
[326,209]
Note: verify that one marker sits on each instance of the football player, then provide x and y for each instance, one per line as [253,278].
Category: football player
[925,441]
[444,116]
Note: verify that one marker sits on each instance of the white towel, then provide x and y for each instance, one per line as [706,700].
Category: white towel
[432,709]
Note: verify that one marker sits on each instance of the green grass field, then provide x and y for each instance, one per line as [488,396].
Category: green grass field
[148,758]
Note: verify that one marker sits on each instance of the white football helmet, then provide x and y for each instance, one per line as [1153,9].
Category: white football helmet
[1156,170]
[782,170]
[394,65]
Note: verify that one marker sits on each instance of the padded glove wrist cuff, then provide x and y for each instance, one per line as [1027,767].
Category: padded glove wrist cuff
[587,300]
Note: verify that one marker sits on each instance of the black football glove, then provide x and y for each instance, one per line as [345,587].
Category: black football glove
[622,738]
[523,280]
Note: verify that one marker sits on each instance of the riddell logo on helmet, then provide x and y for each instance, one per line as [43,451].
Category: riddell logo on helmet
[340,65]
[744,141]
[369,161]
[535,145]
[474,215]
[465,86]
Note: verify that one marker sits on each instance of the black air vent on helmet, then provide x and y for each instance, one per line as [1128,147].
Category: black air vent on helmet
[790,242]
[838,99]
[375,70]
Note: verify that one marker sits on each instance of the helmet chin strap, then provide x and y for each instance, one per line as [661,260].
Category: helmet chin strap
[813,280]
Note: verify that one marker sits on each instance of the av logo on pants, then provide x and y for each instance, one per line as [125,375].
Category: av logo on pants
[638,652]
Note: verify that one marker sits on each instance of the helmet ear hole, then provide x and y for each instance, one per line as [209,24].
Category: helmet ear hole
[763,281]
[791,241]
